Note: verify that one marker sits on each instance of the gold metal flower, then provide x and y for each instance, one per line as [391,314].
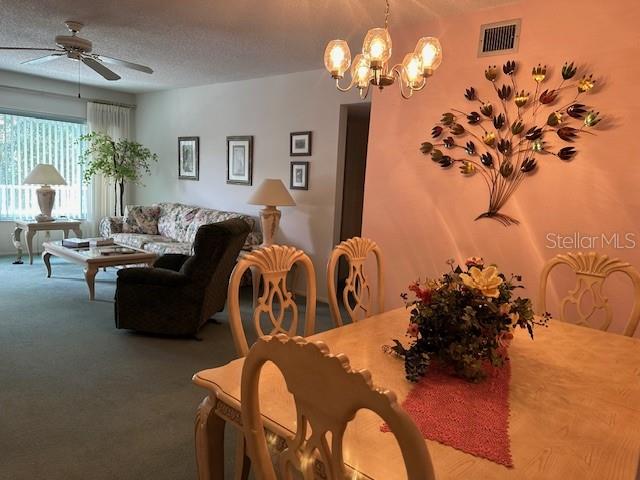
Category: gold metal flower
[592,119]
[522,98]
[586,84]
[467,168]
[537,146]
[491,73]
[489,138]
[539,73]
[555,118]
[486,109]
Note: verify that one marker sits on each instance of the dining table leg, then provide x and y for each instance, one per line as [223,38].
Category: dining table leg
[209,436]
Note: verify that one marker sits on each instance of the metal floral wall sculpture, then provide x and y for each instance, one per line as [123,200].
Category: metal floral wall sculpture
[502,140]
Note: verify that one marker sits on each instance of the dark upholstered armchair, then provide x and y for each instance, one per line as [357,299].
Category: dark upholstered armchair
[180,292]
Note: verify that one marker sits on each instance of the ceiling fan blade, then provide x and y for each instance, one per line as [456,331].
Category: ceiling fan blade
[45,59]
[124,63]
[31,48]
[97,67]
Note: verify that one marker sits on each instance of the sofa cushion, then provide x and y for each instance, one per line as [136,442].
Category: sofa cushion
[137,240]
[205,216]
[141,219]
[181,222]
[161,248]
[174,220]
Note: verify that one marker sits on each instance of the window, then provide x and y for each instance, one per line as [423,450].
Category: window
[27,141]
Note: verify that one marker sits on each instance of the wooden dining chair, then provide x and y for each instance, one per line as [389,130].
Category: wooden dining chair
[320,429]
[356,295]
[273,263]
[591,269]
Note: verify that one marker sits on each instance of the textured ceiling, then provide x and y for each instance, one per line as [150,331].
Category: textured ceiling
[195,42]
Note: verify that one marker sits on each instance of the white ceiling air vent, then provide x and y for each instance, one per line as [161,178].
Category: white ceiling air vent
[499,38]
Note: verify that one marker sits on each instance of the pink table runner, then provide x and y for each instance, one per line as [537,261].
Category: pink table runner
[471,417]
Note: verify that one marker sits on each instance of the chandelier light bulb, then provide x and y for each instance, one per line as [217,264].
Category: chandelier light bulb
[337,58]
[430,53]
[412,71]
[361,71]
[377,47]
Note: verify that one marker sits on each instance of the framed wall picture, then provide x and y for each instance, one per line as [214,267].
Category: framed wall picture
[299,176]
[240,160]
[300,144]
[189,158]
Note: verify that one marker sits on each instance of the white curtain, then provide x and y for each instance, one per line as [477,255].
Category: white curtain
[114,121]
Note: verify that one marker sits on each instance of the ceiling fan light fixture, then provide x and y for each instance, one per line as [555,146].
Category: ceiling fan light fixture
[80,50]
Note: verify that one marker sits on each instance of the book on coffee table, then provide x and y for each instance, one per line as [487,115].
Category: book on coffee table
[86,242]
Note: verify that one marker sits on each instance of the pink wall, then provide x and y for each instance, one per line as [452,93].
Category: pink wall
[421,215]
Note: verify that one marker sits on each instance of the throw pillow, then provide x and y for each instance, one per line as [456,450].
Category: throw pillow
[141,219]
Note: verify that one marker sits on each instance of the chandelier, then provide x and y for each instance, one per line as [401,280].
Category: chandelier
[371,66]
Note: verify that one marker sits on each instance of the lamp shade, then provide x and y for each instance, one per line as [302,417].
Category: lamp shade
[44,175]
[272,192]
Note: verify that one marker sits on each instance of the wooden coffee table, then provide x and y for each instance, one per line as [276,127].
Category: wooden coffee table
[93,259]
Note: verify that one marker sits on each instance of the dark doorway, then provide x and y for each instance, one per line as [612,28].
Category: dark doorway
[355,164]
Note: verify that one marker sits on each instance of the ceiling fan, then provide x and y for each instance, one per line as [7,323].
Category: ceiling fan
[80,49]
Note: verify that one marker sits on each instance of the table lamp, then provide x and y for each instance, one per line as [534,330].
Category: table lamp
[45,175]
[271,193]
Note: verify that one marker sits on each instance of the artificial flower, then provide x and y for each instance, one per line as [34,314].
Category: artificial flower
[413,330]
[515,316]
[504,339]
[486,280]
[474,262]
[504,308]
[420,291]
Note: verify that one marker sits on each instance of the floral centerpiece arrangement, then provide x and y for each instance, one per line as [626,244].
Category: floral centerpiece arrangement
[464,320]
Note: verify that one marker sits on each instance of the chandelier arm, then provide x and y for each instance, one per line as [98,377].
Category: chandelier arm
[420,87]
[366,92]
[396,70]
[344,89]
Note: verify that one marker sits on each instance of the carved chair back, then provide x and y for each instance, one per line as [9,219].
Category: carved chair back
[275,307]
[591,269]
[323,413]
[356,295]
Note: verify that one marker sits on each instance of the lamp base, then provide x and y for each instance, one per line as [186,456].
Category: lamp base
[40,218]
[46,197]
[269,219]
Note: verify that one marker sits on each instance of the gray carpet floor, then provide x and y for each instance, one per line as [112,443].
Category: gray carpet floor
[82,400]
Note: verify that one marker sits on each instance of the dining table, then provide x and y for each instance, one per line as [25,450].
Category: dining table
[574,398]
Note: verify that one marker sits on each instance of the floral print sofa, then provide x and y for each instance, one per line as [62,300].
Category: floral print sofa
[177,225]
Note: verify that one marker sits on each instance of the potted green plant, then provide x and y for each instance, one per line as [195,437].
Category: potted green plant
[119,161]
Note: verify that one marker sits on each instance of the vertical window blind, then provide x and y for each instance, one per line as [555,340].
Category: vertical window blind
[25,142]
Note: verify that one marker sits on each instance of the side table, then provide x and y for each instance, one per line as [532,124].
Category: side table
[31,227]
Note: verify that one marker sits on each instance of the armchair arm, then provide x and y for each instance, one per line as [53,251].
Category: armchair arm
[152,276]
[171,261]
[110,225]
